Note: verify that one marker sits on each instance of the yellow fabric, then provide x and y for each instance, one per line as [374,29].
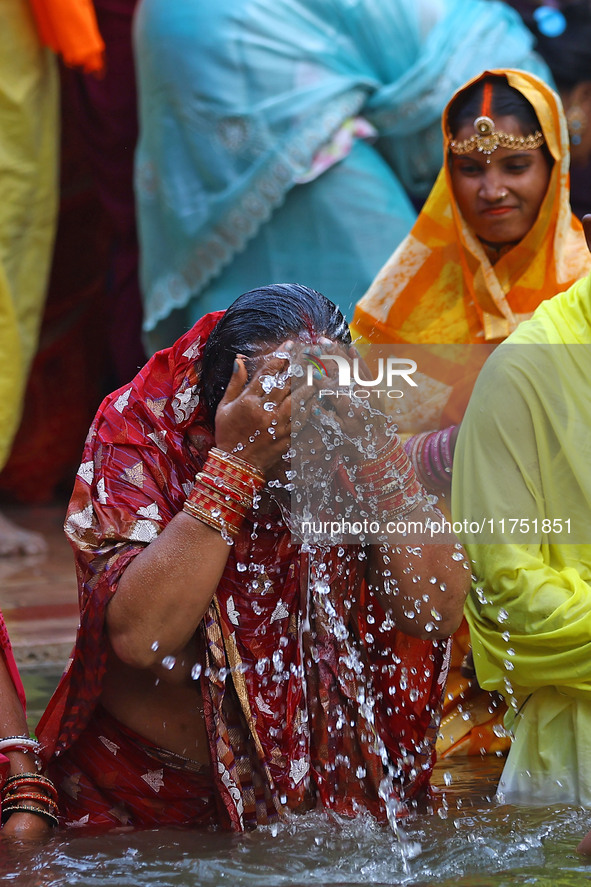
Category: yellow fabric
[28,185]
[440,287]
[524,451]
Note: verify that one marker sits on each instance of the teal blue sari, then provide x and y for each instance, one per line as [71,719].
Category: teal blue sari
[236,99]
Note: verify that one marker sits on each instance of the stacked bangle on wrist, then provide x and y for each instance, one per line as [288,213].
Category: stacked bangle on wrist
[431,454]
[224,491]
[21,792]
[389,482]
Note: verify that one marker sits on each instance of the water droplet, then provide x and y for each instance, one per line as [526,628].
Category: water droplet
[169,662]
[155,646]
[261,665]
[196,671]
[480,594]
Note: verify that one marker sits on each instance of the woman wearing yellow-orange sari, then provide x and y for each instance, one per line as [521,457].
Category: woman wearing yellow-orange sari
[495,238]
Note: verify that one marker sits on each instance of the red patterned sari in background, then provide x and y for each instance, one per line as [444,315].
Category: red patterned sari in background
[304,699]
[8,658]
[7,655]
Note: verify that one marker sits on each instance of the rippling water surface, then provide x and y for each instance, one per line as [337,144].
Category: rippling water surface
[469,839]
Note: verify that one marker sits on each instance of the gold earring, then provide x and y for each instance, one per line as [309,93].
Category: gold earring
[576,121]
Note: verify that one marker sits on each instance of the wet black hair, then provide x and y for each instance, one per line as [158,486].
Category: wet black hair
[268,315]
[505,101]
[568,53]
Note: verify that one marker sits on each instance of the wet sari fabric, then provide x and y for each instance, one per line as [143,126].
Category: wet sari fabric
[304,699]
[115,778]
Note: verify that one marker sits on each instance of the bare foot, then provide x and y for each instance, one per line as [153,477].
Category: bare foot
[16,541]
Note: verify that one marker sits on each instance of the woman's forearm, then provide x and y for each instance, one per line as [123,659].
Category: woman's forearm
[165,591]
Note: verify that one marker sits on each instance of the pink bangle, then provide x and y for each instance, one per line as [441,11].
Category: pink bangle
[431,453]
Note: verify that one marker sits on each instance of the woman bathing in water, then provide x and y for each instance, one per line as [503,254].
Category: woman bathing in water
[222,672]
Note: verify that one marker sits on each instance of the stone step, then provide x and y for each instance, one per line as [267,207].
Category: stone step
[38,594]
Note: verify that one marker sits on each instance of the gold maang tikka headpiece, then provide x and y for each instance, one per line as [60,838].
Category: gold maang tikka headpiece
[487,138]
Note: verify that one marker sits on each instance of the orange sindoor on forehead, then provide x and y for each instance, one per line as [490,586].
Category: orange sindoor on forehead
[485,108]
[487,138]
[484,124]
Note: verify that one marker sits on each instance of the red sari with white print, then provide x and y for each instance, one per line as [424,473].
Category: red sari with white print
[327,695]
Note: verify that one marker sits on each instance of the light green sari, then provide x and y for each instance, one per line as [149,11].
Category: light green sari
[524,454]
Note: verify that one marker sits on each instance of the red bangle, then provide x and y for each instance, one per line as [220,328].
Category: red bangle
[223,492]
[28,780]
[392,480]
